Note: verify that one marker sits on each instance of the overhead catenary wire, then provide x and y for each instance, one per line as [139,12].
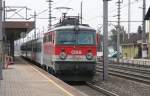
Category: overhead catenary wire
[69,1]
[126,5]
[43,11]
[95,17]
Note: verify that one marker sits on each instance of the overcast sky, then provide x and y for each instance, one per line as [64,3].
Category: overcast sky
[92,10]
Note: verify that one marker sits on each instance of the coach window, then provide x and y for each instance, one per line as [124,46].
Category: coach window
[30,44]
[39,47]
[53,38]
[50,37]
[44,38]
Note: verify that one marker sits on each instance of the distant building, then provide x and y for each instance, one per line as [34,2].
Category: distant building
[132,46]
[147,17]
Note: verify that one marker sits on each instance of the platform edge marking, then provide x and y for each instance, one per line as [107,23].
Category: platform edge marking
[52,81]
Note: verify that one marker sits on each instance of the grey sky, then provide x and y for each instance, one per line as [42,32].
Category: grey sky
[92,10]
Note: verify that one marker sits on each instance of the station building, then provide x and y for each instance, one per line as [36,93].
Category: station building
[132,46]
[147,17]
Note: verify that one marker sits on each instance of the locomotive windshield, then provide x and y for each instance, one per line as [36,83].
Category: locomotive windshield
[65,37]
[84,37]
[72,37]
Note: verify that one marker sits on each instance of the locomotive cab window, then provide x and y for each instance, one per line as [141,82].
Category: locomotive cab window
[79,37]
[65,37]
[86,37]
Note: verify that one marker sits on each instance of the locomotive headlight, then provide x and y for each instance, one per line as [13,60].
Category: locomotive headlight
[63,55]
[89,56]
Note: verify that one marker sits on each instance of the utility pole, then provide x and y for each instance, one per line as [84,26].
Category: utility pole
[144,11]
[81,11]
[118,32]
[50,14]
[144,51]
[35,24]
[129,17]
[105,40]
[1,41]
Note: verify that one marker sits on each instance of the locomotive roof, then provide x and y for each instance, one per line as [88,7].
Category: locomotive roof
[70,27]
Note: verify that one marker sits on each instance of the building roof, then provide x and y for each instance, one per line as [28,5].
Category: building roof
[13,29]
[133,38]
[147,17]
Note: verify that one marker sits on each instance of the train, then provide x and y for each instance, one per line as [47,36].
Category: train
[68,51]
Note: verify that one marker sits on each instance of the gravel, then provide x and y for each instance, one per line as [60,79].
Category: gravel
[122,86]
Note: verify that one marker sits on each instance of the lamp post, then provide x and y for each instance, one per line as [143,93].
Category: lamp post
[1,41]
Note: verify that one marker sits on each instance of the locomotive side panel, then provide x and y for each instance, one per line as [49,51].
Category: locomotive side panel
[48,49]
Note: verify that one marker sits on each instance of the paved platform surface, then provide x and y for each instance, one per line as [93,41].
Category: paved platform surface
[22,79]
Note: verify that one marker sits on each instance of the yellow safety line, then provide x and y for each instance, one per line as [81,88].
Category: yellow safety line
[52,82]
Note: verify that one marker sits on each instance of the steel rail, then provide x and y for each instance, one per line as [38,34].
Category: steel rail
[102,90]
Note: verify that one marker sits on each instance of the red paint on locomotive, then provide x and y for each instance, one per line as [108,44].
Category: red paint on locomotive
[75,50]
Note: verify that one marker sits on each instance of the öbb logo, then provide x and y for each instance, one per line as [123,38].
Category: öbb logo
[76,52]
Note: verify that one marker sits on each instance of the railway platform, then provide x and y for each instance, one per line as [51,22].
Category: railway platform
[23,79]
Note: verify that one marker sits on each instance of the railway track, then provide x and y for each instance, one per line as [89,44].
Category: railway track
[102,90]
[130,71]
[140,73]
[93,90]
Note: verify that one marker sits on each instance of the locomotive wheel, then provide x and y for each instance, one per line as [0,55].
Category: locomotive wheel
[53,72]
[44,67]
[49,70]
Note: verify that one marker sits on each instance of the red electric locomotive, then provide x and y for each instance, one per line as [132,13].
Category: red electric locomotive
[69,50]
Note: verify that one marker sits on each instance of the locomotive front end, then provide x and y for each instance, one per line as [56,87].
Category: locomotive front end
[75,53]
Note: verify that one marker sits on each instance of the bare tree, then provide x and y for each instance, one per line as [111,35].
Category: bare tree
[113,37]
